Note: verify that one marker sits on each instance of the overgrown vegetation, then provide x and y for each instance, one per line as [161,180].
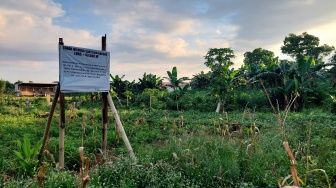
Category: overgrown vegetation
[240,148]
[177,138]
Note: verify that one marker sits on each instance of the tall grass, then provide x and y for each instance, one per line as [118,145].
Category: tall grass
[195,154]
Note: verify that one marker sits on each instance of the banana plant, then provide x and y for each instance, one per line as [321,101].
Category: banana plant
[294,78]
[201,80]
[120,86]
[174,81]
[149,81]
[128,95]
[27,155]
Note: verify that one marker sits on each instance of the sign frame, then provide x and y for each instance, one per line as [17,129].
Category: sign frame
[83,70]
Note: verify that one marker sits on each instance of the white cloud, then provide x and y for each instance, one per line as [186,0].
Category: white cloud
[43,8]
[171,46]
[28,33]
[154,36]
[30,39]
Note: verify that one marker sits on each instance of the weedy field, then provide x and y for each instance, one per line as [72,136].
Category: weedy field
[241,148]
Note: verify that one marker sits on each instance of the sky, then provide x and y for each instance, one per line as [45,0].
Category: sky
[151,36]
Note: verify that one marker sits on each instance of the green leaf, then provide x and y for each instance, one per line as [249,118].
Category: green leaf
[174,72]
[18,155]
[296,82]
[304,65]
[26,147]
[289,86]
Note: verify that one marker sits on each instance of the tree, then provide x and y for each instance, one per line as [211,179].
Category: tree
[128,95]
[201,80]
[9,87]
[175,83]
[258,58]
[219,61]
[333,58]
[149,81]
[120,86]
[256,62]
[174,80]
[303,78]
[2,86]
[300,46]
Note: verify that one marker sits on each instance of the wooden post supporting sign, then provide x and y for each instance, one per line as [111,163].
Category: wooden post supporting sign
[106,98]
[61,125]
[47,129]
[121,128]
[104,110]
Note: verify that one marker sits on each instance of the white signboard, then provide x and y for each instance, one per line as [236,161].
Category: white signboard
[83,70]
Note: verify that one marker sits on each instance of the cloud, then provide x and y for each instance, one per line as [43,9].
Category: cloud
[153,36]
[273,19]
[42,8]
[30,38]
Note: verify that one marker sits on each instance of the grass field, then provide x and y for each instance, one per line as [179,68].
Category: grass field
[173,148]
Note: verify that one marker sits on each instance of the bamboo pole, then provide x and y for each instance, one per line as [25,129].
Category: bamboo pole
[61,131]
[61,122]
[121,128]
[47,129]
[105,121]
[104,109]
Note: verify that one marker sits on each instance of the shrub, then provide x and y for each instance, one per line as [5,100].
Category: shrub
[151,98]
[254,99]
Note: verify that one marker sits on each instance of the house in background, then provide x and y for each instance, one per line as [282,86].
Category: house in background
[35,89]
[170,88]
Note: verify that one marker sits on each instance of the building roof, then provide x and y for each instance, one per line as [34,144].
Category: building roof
[31,84]
[41,89]
[181,84]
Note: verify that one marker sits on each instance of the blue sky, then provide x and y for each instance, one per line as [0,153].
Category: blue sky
[151,36]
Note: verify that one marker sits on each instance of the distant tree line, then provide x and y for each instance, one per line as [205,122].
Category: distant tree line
[309,78]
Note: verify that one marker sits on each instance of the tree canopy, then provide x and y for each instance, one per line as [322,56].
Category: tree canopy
[333,58]
[258,59]
[2,85]
[219,61]
[299,46]
[258,56]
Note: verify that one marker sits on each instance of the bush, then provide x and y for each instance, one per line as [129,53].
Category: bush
[250,99]
[199,100]
[151,98]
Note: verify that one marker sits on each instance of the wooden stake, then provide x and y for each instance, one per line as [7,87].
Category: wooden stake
[61,123]
[47,129]
[105,121]
[120,127]
[61,131]
[104,109]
